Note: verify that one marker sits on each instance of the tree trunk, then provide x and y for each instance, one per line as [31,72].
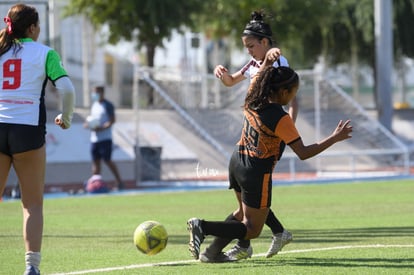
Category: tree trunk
[150,62]
[354,66]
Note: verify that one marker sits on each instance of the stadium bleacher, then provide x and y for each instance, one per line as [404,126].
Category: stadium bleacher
[192,130]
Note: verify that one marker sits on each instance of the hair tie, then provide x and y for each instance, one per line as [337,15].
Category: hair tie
[8,22]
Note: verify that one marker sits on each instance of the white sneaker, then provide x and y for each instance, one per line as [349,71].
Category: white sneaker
[278,242]
[239,253]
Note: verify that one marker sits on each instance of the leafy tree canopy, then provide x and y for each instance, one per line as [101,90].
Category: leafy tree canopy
[304,29]
[146,22]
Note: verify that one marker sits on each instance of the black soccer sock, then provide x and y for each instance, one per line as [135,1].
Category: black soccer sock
[218,244]
[227,229]
[243,243]
[274,223]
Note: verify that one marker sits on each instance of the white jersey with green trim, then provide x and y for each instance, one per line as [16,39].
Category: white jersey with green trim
[23,76]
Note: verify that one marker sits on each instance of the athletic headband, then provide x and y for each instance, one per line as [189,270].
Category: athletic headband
[249,32]
[256,21]
[8,22]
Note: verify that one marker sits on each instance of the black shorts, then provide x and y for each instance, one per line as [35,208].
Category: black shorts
[19,138]
[253,180]
[102,150]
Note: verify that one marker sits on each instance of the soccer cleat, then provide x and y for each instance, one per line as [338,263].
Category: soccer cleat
[239,253]
[221,257]
[31,270]
[279,240]
[196,236]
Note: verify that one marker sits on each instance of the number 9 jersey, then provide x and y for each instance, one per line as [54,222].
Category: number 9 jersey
[265,133]
[23,76]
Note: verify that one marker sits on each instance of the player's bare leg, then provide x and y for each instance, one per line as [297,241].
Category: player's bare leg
[5,164]
[30,169]
[254,220]
[243,249]
[96,167]
[114,169]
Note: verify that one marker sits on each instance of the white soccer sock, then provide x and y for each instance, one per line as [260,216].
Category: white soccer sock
[33,259]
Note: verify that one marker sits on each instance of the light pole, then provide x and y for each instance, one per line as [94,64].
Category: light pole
[384,60]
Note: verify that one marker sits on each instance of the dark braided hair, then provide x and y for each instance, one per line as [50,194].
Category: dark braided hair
[270,81]
[258,28]
[19,18]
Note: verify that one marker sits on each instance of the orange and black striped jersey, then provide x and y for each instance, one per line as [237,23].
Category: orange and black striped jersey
[265,133]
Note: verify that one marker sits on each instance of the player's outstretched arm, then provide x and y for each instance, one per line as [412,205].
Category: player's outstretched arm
[226,78]
[342,131]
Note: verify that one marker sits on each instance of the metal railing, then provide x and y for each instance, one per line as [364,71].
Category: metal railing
[373,150]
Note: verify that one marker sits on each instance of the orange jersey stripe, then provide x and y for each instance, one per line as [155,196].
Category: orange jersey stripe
[265,191]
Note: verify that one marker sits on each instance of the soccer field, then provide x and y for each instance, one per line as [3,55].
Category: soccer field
[339,228]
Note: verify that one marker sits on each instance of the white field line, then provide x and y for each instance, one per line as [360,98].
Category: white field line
[108,269]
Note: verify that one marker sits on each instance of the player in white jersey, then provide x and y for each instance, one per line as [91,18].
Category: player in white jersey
[25,68]
[257,39]
[103,111]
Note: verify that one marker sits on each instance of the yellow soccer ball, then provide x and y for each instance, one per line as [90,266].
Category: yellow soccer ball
[150,237]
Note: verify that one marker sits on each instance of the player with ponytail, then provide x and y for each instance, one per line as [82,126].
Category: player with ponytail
[266,129]
[25,68]
[257,38]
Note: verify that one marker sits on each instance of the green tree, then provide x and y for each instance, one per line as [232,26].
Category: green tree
[145,22]
[352,37]
[403,40]
[403,34]
[294,23]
